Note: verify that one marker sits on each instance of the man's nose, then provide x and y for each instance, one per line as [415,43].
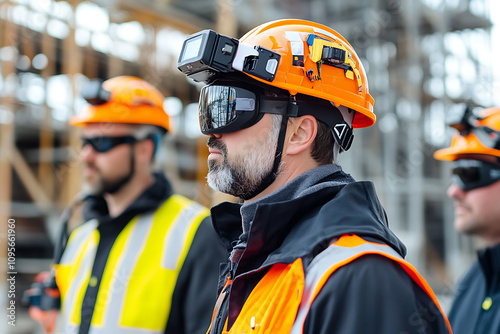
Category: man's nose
[87,153]
[455,192]
[215,135]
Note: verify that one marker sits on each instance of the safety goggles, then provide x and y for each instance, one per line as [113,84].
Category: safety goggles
[103,144]
[224,109]
[472,174]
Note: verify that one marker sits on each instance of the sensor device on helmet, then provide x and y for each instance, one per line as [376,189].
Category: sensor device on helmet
[93,92]
[207,53]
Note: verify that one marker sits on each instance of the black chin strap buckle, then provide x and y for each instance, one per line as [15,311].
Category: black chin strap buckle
[343,135]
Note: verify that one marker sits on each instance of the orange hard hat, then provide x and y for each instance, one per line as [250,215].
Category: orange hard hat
[316,61]
[123,99]
[483,138]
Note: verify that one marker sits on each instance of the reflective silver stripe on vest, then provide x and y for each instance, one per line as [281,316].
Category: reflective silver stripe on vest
[318,268]
[85,266]
[80,277]
[177,234]
[135,245]
[73,248]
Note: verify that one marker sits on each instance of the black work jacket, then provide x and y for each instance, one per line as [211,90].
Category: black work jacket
[194,293]
[476,307]
[369,295]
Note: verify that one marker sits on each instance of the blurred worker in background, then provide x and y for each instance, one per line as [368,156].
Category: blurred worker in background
[146,260]
[310,248]
[475,190]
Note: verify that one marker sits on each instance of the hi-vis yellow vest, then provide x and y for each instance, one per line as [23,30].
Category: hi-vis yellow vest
[280,302]
[140,274]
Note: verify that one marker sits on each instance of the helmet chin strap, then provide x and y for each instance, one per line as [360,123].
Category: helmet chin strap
[126,178]
[340,142]
[336,152]
[347,116]
[291,110]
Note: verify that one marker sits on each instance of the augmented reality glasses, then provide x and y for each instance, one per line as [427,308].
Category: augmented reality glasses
[224,109]
[472,174]
[103,144]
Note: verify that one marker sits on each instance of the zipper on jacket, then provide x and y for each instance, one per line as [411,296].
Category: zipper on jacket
[217,316]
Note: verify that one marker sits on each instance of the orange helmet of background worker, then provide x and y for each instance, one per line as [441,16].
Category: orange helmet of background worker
[123,99]
[476,135]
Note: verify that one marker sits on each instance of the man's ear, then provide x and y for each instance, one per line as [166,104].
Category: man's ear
[145,150]
[303,131]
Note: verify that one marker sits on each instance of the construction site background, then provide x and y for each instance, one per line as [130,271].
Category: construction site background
[423,58]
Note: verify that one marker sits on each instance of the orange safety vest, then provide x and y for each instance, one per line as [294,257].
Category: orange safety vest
[281,300]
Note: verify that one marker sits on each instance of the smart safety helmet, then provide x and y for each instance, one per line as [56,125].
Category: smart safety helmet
[302,58]
[288,67]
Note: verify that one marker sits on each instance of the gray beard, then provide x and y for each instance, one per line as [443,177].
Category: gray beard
[250,167]
[244,176]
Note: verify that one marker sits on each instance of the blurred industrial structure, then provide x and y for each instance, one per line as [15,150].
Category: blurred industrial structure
[423,58]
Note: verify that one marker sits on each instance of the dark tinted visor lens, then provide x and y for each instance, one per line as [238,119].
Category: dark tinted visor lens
[467,174]
[104,144]
[225,109]
[472,174]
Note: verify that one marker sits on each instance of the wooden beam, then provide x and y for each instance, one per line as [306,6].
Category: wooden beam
[46,147]
[72,65]
[29,180]
[227,23]
[9,38]
[204,193]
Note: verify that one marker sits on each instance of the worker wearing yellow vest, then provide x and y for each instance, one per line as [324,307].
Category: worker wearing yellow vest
[310,248]
[146,260]
[475,190]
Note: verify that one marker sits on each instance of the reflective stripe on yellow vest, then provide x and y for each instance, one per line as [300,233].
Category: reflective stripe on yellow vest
[141,271]
[281,300]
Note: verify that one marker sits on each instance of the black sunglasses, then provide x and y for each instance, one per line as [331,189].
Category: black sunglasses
[472,174]
[103,144]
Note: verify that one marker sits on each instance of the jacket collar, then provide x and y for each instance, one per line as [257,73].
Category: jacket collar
[489,259]
[300,227]
[96,207]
